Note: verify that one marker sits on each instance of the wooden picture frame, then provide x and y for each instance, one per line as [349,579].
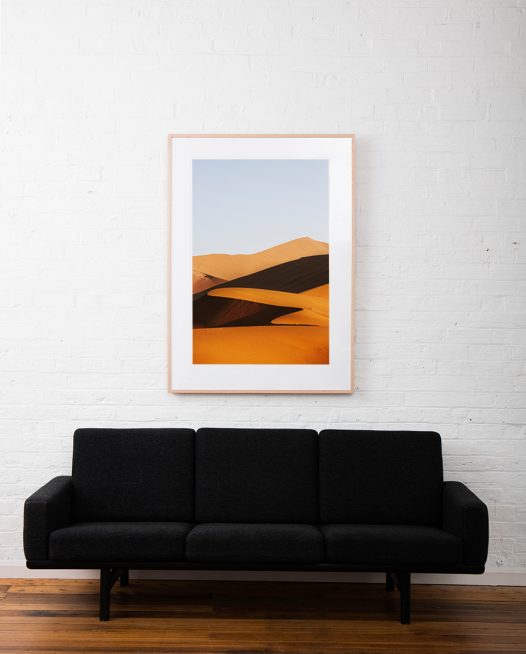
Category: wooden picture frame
[251,310]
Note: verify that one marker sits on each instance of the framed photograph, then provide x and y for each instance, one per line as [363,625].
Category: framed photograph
[261,263]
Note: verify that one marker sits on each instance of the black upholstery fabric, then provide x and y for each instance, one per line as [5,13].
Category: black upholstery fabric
[465,515]
[256,475]
[391,545]
[131,499]
[47,509]
[380,477]
[255,543]
[133,474]
[119,541]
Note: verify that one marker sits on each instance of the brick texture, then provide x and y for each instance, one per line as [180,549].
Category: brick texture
[434,90]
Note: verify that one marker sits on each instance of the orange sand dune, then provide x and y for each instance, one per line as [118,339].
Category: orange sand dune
[261,345]
[230,266]
[202,281]
[276,298]
[290,277]
[315,308]
[319,291]
[305,316]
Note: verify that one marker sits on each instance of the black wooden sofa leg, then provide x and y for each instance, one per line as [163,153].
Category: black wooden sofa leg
[105,590]
[108,577]
[404,586]
[402,580]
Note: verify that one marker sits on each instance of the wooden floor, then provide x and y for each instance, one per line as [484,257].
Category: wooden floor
[264,617]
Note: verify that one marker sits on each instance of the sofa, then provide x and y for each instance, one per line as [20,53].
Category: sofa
[256,499]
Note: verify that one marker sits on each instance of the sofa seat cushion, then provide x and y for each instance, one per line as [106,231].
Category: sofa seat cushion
[391,545]
[254,543]
[119,541]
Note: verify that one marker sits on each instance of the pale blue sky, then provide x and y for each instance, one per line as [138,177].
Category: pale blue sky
[241,206]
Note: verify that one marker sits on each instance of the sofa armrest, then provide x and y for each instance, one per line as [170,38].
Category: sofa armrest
[49,508]
[466,516]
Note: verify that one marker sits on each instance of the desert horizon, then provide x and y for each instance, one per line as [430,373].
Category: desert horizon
[268,307]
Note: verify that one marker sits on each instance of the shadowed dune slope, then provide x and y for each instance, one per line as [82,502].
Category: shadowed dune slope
[226,312]
[201,281]
[292,277]
[314,309]
[232,266]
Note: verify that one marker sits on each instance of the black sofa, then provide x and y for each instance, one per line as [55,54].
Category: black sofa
[256,499]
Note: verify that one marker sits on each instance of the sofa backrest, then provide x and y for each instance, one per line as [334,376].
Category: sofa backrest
[133,474]
[256,475]
[380,477]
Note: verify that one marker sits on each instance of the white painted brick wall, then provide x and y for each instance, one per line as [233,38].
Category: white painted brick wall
[435,91]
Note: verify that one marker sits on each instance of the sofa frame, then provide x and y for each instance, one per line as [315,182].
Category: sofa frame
[50,509]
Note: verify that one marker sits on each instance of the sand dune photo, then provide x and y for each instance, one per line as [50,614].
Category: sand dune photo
[237,321]
[264,226]
[267,305]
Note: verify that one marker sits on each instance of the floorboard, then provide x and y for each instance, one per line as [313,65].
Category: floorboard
[61,616]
